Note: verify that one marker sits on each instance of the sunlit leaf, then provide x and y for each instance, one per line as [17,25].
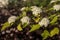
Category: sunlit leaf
[25,25]
[34,27]
[45,34]
[5,25]
[54,20]
[54,32]
[36,19]
[19,27]
[52,16]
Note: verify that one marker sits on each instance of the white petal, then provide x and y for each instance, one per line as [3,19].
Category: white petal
[56,7]
[23,8]
[52,1]
[25,20]
[36,10]
[44,22]
[12,19]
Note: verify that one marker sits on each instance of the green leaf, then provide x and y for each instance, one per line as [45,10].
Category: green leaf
[45,34]
[36,19]
[52,16]
[5,25]
[34,27]
[19,27]
[54,32]
[54,20]
[25,25]
[23,13]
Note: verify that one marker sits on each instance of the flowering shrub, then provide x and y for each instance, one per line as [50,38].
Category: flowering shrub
[42,15]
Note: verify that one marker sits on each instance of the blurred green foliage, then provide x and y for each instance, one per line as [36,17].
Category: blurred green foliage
[19,27]
[40,3]
[34,27]
[54,20]
[45,34]
[54,32]
[5,25]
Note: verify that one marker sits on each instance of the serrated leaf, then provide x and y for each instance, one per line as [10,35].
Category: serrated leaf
[34,27]
[45,34]
[54,20]
[19,27]
[5,25]
[54,32]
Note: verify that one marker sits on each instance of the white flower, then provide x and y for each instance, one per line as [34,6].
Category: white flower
[56,7]
[44,22]
[36,10]
[23,8]
[52,1]
[3,3]
[12,19]
[25,19]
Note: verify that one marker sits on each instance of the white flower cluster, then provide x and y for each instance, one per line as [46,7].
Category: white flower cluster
[54,1]
[44,22]
[25,19]
[56,7]
[36,10]
[12,19]
[3,3]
